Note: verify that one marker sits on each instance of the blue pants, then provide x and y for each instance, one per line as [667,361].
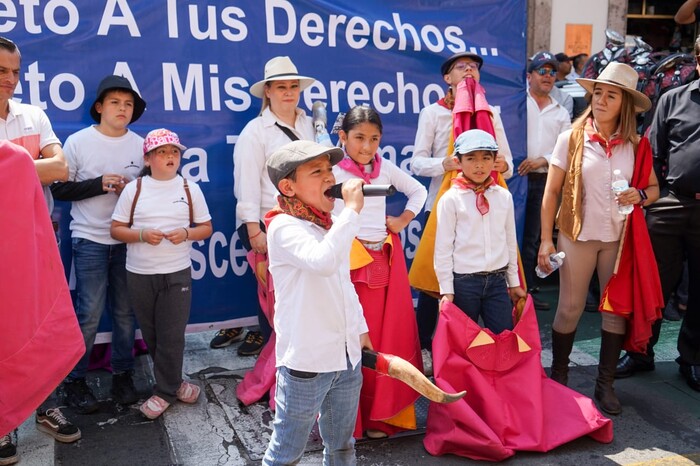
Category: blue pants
[100,274]
[485,296]
[531,232]
[298,401]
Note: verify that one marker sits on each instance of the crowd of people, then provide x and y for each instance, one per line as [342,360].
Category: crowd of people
[332,277]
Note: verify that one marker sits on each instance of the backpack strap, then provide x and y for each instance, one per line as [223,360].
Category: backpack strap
[136,198]
[288,132]
[189,199]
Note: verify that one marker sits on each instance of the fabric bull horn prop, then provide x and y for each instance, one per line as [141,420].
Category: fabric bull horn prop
[402,370]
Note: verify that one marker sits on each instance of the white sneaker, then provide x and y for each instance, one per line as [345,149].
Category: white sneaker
[427,362]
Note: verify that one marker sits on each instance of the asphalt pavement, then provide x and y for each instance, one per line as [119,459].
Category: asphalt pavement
[660,423]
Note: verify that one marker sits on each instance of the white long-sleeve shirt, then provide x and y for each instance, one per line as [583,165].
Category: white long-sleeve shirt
[543,128]
[432,140]
[255,193]
[318,317]
[468,242]
[373,214]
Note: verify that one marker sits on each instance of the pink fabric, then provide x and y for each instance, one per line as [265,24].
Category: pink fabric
[471,110]
[41,341]
[350,166]
[101,356]
[482,203]
[510,403]
[261,378]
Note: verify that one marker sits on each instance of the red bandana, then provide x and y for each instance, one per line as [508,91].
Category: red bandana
[294,207]
[354,168]
[482,204]
[595,137]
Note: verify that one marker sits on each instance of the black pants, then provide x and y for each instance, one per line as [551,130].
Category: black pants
[674,228]
[531,233]
[426,311]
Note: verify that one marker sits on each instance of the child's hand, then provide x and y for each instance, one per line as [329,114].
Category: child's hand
[152,236]
[450,164]
[446,298]
[516,293]
[352,194]
[112,182]
[365,342]
[177,236]
[500,165]
[396,224]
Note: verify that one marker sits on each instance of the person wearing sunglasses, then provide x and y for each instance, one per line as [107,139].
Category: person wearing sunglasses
[546,119]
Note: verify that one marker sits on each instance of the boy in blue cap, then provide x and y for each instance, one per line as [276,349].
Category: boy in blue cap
[476,258]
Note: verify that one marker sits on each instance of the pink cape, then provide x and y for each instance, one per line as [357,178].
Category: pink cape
[510,403]
[40,340]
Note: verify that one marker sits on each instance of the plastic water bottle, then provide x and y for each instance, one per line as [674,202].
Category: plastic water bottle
[555,261]
[620,184]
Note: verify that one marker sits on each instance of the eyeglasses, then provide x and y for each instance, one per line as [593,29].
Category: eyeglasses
[544,71]
[464,66]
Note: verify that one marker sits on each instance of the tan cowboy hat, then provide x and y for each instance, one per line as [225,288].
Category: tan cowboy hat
[623,76]
[280,69]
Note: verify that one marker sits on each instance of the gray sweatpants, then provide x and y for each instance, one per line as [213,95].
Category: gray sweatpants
[161,304]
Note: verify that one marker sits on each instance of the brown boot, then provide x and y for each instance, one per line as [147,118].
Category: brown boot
[562,343]
[610,347]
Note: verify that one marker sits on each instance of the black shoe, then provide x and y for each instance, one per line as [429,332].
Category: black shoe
[123,390]
[627,366]
[226,336]
[8,449]
[540,305]
[79,396]
[691,375]
[252,345]
[57,426]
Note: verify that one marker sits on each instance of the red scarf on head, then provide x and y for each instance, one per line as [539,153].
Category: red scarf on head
[594,136]
[354,168]
[482,204]
[294,207]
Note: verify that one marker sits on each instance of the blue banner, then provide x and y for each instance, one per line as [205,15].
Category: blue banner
[194,61]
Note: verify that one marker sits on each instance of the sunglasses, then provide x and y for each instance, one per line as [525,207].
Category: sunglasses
[463,66]
[544,71]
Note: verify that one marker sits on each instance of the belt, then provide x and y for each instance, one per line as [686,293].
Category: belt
[490,272]
[536,175]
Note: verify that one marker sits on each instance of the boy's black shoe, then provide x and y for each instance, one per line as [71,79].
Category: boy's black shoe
[57,426]
[79,396]
[252,345]
[226,336]
[8,450]
[123,390]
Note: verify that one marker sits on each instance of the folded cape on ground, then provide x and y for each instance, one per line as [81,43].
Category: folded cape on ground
[510,403]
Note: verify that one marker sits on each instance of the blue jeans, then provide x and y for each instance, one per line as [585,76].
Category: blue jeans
[100,274]
[486,296]
[298,401]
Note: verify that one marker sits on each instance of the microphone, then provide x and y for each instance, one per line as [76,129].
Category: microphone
[319,119]
[369,190]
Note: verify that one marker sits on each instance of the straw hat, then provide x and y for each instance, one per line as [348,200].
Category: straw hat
[280,69]
[624,77]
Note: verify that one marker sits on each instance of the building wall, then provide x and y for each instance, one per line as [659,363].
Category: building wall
[547,21]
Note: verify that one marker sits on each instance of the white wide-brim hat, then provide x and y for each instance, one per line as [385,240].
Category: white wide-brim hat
[622,76]
[280,69]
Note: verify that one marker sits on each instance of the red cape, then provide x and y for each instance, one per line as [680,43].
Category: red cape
[510,403]
[40,340]
[634,290]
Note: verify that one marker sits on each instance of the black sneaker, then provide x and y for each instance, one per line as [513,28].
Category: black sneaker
[123,390]
[8,449]
[226,336]
[57,426]
[252,345]
[79,396]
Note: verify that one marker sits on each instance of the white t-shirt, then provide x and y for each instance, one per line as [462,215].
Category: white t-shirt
[318,317]
[90,154]
[255,193]
[543,128]
[468,242]
[373,213]
[29,127]
[161,205]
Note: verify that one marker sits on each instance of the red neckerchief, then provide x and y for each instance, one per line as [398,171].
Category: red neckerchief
[448,101]
[593,135]
[354,168]
[482,204]
[294,207]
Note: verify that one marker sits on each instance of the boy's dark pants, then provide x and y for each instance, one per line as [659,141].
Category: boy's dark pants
[485,294]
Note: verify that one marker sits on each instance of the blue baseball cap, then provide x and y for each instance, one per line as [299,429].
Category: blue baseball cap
[475,139]
[540,59]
